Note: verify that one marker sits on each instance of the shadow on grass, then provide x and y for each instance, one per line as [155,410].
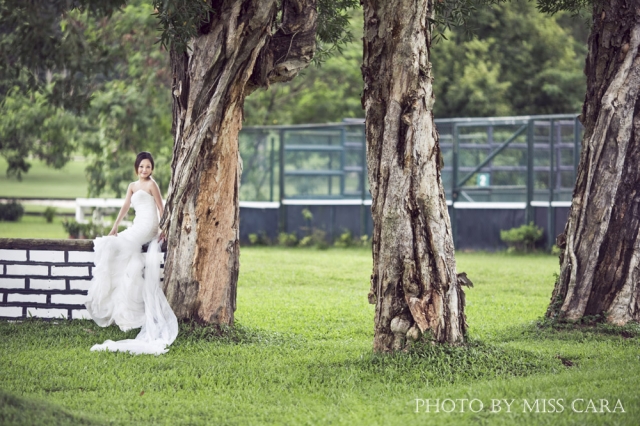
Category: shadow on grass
[26,411]
[237,335]
[579,332]
[61,332]
[440,365]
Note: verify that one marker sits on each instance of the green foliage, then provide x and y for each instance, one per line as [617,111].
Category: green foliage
[259,239]
[133,112]
[287,240]
[516,61]
[523,238]
[89,230]
[72,228]
[180,21]
[49,214]
[31,126]
[11,211]
[125,107]
[519,62]
[307,215]
[346,239]
[333,31]
[322,94]
[572,6]
[43,44]
[317,238]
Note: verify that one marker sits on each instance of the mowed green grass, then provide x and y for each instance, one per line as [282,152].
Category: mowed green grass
[45,182]
[33,227]
[300,353]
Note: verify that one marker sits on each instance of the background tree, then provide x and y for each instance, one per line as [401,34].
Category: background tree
[85,80]
[600,272]
[131,110]
[516,61]
[47,74]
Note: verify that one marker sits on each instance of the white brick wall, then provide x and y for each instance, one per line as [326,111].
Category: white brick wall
[69,299]
[17,255]
[10,311]
[79,284]
[11,283]
[81,256]
[47,284]
[27,270]
[42,280]
[36,298]
[46,256]
[47,313]
[69,271]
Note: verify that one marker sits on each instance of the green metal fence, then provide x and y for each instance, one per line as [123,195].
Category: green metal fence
[500,159]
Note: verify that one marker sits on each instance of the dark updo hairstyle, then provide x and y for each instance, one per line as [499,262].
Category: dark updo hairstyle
[144,155]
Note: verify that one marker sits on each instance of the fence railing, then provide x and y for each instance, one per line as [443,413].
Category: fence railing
[529,158]
[526,159]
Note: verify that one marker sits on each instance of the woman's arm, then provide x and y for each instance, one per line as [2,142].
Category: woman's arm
[155,191]
[123,211]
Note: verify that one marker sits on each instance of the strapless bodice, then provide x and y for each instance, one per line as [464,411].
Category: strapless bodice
[145,223]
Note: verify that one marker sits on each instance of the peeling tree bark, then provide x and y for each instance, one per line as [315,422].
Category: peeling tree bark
[599,272]
[235,53]
[414,282]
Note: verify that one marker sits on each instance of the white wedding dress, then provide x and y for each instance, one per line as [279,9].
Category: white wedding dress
[125,288]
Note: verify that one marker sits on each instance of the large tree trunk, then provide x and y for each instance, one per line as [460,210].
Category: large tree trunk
[599,272]
[234,54]
[414,283]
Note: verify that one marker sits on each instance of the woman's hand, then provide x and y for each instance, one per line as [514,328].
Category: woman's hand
[162,237]
[114,231]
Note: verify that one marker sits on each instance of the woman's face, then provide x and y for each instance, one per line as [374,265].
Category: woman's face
[144,169]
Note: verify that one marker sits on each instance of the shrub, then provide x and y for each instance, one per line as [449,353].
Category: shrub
[317,238]
[307,215]
[346,239]
[260,239]
[287,240]
[49,214]
[522,239]
[89,230]
[72,228]
[12,211]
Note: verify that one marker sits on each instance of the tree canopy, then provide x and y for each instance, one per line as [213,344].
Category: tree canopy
[96,81]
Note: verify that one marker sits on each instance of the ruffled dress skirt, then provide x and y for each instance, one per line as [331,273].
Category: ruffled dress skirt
[125,289]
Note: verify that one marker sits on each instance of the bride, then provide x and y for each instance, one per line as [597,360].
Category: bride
[125,288]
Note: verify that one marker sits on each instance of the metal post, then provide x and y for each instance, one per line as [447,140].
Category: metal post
[271,165]
[283,210]
[576,147]
[363,186]
[490,140]
[530,182]
[330,167]
[551,219]
[343,140]
[454,185]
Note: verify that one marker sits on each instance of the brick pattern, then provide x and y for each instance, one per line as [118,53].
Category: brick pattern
[44,283]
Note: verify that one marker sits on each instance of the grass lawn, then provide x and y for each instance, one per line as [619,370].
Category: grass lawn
[301,354]
[45,182]
[33,227]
